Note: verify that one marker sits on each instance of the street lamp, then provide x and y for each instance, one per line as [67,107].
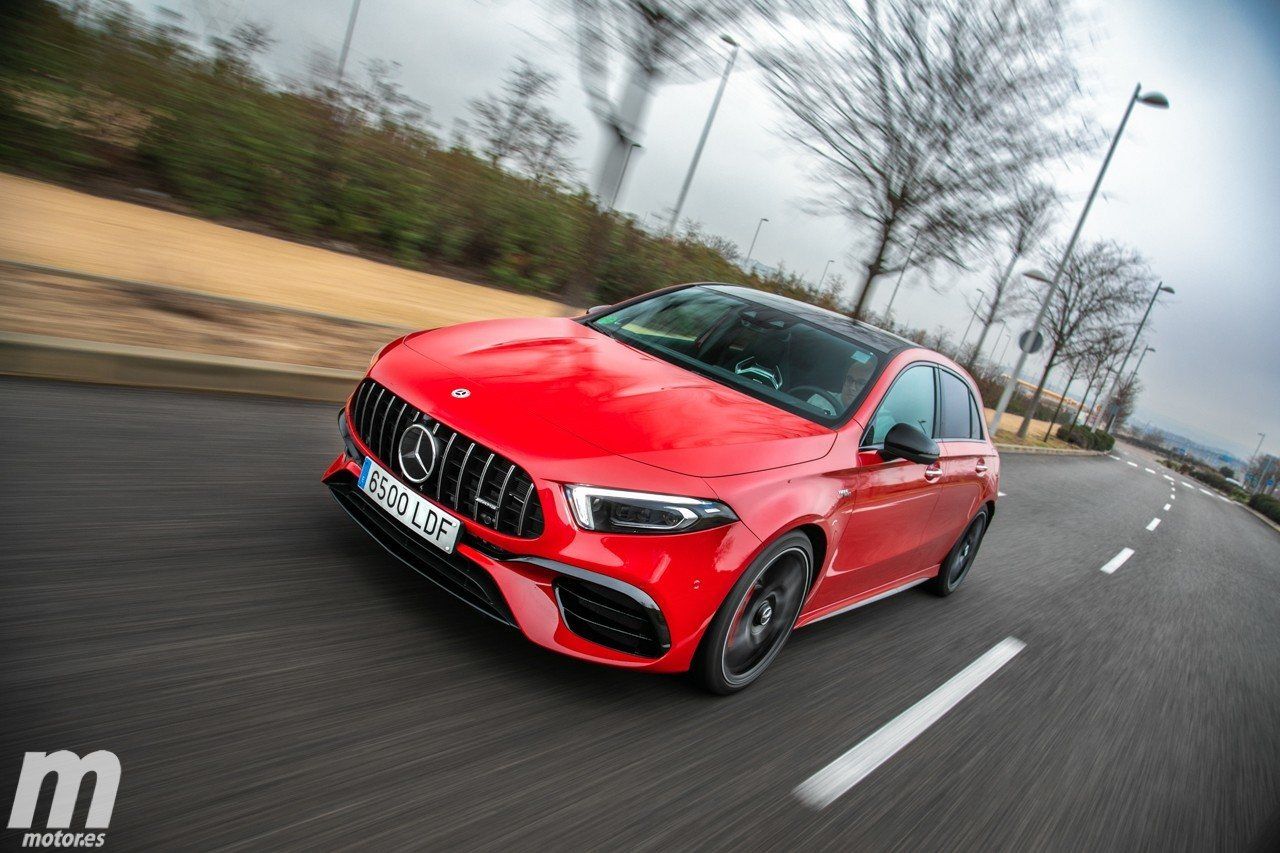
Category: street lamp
[622,173]
[824,272]
[1007,341]
[706,131]
[1253,460]
[1160,288]
[1138,366]
[754,237]
[1151,99]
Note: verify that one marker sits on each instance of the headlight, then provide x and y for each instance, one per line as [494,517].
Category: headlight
[618,511]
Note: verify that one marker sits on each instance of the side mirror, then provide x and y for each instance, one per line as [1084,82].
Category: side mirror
[595,309]
[907,442]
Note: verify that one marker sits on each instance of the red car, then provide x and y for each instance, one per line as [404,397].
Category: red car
[671,483]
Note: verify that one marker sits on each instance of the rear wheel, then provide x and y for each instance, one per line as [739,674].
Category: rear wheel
[960,559]
[756,617]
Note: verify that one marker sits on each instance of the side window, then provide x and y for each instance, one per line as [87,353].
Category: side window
[975,418]
[956,419]
[909,401]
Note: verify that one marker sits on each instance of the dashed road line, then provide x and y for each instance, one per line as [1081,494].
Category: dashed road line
[1155,522]
[1206,492]
[1167,506]
[837,778]
[1001,494]
[1187,485]
[1131,463]
[1149,470]
[1113,456]
[1167,477]
[1117,561]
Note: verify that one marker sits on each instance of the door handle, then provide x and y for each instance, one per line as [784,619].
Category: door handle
[933,472]
[981,468]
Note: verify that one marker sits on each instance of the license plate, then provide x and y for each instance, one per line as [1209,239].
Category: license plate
[408,507]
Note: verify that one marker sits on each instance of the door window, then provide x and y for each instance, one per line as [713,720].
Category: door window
[909,401]
[956,416]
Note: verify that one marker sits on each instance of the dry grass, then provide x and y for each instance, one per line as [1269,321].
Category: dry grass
[48,225]
[1008,432]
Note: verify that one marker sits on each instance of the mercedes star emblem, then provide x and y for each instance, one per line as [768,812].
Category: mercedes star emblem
[418,450]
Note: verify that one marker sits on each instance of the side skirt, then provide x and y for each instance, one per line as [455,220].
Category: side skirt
[854,605]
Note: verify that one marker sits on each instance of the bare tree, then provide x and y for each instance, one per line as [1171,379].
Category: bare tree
[542,153]
[922,115]
[502,122]
[1100,287]
[1125,399]
[1100,357]
[1024,223]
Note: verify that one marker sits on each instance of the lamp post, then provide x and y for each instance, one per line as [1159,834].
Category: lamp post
[754,237]
[617,188]
[1138,366]
[824,272]
[1007,341]
[1253,460]
[1160,288]
[346,41]
[1152,99]
[706,131]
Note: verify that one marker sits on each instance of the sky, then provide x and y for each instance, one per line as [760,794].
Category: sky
[1195,189]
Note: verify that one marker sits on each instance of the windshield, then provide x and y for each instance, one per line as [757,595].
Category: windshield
[769,353]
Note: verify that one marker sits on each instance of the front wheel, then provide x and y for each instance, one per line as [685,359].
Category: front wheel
[959,560]
[756,617]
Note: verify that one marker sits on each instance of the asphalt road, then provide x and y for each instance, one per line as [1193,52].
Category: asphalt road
[178,588]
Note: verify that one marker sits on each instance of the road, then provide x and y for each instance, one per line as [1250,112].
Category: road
[178,588]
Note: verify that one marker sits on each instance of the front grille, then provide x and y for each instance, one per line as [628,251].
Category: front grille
[610,618]
[453,572]
[468,477]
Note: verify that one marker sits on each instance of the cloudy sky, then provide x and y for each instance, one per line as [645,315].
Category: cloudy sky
[1194,188]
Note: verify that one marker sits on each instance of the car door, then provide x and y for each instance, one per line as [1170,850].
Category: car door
[893,499]
[963,458]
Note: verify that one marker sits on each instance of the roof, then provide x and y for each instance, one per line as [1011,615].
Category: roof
[881,339]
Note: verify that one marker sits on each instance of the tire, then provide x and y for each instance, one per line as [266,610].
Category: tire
[756,617]
[955,568]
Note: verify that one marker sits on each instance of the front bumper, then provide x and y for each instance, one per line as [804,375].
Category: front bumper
[554,603]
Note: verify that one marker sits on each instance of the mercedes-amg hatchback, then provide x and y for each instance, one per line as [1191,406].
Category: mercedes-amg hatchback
[674,482]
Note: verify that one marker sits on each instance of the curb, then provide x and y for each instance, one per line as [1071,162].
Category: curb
[1046,451]
[43,357]
[1260,516]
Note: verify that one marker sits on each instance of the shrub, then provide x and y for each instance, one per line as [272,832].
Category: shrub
[1089,439]
[361,167]
[1268,505]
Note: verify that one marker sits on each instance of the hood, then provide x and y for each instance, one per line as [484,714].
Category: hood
[623,400]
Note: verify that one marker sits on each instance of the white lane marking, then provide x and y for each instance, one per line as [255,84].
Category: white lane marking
[1149,470]
[1187,485]
[1113,456]
[1167,507]
[1221,498]
[1001,494]
[828,784]
[1131,463]
[1206,492]
[1155,522]
[1117,561]
[1167,477]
